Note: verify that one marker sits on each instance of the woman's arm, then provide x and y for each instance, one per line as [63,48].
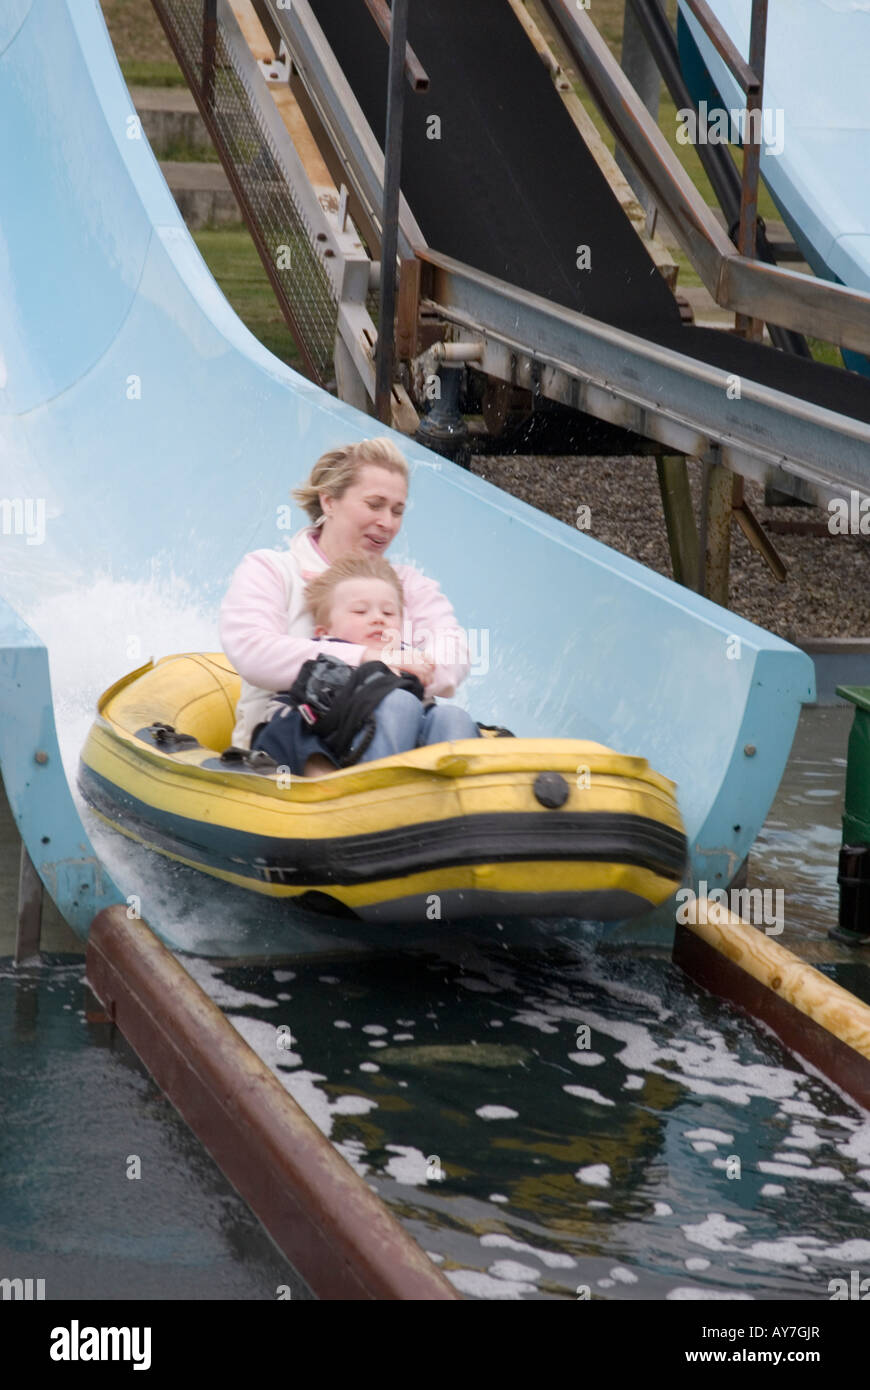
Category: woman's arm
[253,628]
[433,622]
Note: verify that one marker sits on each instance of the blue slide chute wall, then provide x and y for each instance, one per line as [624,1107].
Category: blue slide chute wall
[162,441]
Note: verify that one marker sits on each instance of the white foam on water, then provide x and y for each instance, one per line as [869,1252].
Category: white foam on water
[716,1136]
[496,1112]
[587,1093]
[714,1232]
[772,1189]
[696,1263]
[790,1170]
[498,1197]
[369,1066]
[376,1029]
[512,1269]
[594,1175]
[803,1137]
[598,1206]
[479,1285]
[281,977]
[341,1023]
[862,1197]
[378,1042]
[226,996]
[800,1160]
[403,1037]
[408,1167]
[303,1087]
[849,1250]
[801,1107]
[435,1257]
[784,1252]
[553,1259]
[707,1068]
[329,979]
[663,1209]
[586,1059]
[703,1146]
[354,1150]
[623,1276]
[685,1295]
[633,1083]
[352,1105]
[533,1019]
[858,1146]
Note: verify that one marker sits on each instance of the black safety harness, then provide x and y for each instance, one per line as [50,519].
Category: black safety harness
[337,700]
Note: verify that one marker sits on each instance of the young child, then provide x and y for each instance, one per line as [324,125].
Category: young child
[359,599]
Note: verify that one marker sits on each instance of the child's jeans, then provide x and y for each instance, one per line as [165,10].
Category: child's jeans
[402,720]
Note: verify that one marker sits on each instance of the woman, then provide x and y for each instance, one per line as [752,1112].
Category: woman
[355,497]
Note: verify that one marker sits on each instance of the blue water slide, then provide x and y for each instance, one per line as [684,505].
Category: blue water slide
[817,122]
[148,441]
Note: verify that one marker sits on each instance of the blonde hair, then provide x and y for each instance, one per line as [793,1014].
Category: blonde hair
[336,471]
[319,594]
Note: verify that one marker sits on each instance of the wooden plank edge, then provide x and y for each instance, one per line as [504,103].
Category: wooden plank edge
[811,1014]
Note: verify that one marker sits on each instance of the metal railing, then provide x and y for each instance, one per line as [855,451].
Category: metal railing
[285,240]
[752,288]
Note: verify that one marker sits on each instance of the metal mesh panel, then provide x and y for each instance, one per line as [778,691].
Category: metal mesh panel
[268,200]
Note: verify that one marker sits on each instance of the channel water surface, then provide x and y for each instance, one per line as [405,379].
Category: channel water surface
[550,1116]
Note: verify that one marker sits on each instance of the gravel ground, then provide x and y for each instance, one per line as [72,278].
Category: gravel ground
[825,594]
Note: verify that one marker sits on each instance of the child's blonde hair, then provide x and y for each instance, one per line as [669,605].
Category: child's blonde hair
[320,592]
[336,471]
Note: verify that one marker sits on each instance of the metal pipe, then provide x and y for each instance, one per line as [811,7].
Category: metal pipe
[209,45]
[716,160]
[639,65]
[386,347]
[752,327]
[745,73]
[418,78]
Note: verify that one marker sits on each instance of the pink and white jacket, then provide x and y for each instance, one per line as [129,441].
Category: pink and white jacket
[267,634]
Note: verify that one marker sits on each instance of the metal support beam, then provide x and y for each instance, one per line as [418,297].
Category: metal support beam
[717,495]
[417,77]
[751,327]
[682,530]
[386,348]
[641,71]
[657,393]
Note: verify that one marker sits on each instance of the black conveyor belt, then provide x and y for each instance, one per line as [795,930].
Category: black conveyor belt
[511,188]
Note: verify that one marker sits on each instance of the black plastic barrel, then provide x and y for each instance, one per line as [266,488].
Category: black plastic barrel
[854,880]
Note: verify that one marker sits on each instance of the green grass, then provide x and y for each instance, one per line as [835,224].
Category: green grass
[152,74]
[232,258]
[184,153]
[825,352]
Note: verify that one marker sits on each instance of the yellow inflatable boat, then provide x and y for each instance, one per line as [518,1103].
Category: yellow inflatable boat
[480,827]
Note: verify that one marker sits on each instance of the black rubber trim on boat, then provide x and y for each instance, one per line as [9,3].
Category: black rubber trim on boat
[538,836]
